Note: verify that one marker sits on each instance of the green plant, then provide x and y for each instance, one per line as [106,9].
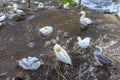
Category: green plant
[71,2]
[81,5]
[84,7]
[67,1]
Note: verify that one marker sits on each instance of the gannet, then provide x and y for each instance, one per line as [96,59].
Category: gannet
[84,43]
[62,55]
[2,17]
[84,20]
[19,12]
[15,5]
[40,5]
[100,58]
[46,30]
[66,6]
[23,1]
[30,63]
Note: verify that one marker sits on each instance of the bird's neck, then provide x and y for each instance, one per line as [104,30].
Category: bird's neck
[98,52]
[83,16]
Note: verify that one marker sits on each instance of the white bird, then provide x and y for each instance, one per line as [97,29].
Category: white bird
[18,11]
[40,5]
[23,1]
[100,58]
[1,24]
[46,30]
[30,63]
[62,55]
[2,17]
[66,6]
[36,2]
[15,6]
[84,43]
[84,20]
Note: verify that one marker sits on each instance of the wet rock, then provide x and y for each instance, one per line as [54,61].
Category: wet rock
[107,11]
[18,17]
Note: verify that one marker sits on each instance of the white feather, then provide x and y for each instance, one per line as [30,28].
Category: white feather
[29,63]
[24,63]
[2,17]
[46,31]
[40,5]
[23,1]
[15,6]
[85,42]
[66,6]
[62,56]
[85,21]
[1,24]
[18,11]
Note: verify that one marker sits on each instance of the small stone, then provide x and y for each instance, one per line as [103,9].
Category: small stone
[31,44]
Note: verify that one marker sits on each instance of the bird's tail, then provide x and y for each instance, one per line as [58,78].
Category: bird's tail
[113,67]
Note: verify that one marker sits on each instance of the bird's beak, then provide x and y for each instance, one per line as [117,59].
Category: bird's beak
[36,60]
[94,47]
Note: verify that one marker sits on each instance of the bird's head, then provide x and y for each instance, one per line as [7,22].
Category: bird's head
[46,27]
[83,13]
[98,48]
[57,47]
[67,4]
[14,8]
[79,38]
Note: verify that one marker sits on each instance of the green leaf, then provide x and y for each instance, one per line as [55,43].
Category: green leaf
[84,7]
[67,1]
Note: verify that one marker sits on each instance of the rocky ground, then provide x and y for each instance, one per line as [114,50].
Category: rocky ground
[19,39]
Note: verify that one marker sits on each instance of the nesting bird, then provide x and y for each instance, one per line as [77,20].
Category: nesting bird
[15,6]
[84,43]
[30,63]
[36,2]
[47,30]
[40,5]
[66,6]
[84,20]
[2,17]
[62,55]
[23,1]
[19,12]
[1,24]
[100,58]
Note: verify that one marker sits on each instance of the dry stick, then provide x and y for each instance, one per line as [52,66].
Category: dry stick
[80,4]
[5,5]
[59,73]
[5,9]
[75,49]
[29,3]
